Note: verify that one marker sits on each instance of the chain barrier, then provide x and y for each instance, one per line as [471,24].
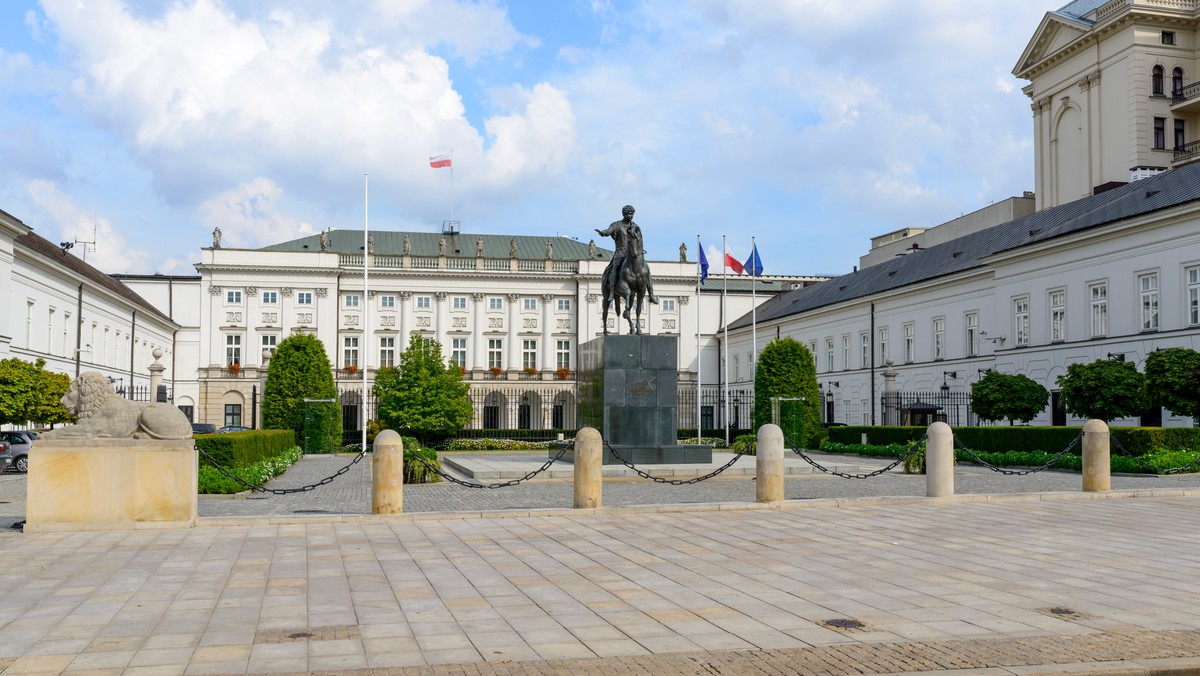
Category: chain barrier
[1018,472]
[504,484]
[911,449]
[674,482]
[1144,465]
[281,491]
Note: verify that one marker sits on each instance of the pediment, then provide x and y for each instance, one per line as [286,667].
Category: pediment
[1055,32]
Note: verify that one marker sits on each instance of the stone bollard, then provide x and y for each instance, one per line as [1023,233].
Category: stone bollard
[769,464]
[1097,472]
[939,461]
[387,474]
[589,470]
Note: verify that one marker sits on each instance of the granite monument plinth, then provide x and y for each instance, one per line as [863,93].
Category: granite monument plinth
[628,388]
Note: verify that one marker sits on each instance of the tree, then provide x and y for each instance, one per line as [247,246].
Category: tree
[1169,380]
[1015,397]
[1104,390]
[301,370]
[786,369]
[424,395]
[30,393]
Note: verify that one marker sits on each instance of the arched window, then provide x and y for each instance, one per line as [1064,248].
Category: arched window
[1177,83]
[1156,81]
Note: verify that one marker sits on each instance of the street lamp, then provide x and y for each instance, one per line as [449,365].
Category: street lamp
[947,374]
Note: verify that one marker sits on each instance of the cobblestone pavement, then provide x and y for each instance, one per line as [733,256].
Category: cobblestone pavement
[1080,585]
[1097,586]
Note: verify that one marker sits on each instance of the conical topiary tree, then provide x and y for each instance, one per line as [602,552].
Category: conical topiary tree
[786,368]
[301,370]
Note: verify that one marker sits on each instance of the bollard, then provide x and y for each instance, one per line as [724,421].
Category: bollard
[939,461]
[769,464]
[1097,472]
[387,474]
[589,470]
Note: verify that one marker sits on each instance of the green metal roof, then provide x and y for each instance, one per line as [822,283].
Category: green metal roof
[461,244]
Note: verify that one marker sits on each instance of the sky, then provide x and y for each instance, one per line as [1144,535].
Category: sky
[810,125]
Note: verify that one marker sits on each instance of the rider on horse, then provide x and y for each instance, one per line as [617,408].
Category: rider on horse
[628,237]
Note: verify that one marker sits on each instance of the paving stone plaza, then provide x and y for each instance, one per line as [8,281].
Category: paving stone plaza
[1014,575]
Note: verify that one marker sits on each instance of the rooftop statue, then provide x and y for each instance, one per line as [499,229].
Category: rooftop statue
[102,414]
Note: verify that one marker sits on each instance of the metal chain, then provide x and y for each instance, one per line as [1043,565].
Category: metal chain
[902,458]
[281,491]
[1018,472]
[674,482]
[1157,470]
[469,484]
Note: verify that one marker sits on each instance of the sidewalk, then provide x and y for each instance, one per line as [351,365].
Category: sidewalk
[1004,584]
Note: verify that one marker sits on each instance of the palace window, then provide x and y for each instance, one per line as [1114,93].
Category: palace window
[304,298]
[1193,295]
[910,343]
[495,303]
[270,297]
[865,356]
[1098,299]
[529,304]
[1058,316]
[564,304]
[233,297]
[668,305]
[1156,81]
[495,353]
[564,354]
[1021,320]
[387,352]
[458,352]
[458,303]
[1168,37]
[939,338]
[1180,136]
[972,335]
[529,354]
[352,300]
[883,344]
[828,355]
[1148,300]
[846,352]
[1160,133]
[350,351]
[423,302]
[387,302]
[1177,83]
[233,349]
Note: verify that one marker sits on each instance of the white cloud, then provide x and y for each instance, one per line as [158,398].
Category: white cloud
[206,98]
[70,222]
[249,216]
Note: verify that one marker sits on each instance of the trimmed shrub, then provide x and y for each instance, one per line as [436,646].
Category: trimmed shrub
[243,449]
[745,443]
[212,481]
[419,464]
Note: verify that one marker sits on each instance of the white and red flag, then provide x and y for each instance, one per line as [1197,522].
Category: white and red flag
[731,261]
[439,161]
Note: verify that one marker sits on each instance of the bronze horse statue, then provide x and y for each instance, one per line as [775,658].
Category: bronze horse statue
[629,283]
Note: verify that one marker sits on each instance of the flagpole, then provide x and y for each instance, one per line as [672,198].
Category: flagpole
[700,253]
[452,185]
[725,321]
[753,318]
[366,346]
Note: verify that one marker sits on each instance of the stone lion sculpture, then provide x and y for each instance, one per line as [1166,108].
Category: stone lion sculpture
[103,414]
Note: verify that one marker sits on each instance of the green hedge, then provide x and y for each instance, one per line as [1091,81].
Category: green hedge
[212,481]
[243,449]
[1003,439]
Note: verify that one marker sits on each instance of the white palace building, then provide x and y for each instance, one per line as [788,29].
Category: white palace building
[1101,260]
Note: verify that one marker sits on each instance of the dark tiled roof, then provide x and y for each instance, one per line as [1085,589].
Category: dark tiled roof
[50,251]
[1165,190]
[462,244]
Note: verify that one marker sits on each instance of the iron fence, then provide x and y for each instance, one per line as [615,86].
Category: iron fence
[924,408]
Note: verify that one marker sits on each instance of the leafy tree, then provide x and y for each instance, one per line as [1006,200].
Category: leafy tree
[1104,390]
[1015,397]
[1168,380]
[424,395]
[300,369]
[30,393]
[787,369]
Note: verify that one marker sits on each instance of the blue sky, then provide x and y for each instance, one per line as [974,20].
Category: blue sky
[812,125]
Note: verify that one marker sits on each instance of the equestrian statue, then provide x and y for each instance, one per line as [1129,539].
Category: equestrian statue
[627,277]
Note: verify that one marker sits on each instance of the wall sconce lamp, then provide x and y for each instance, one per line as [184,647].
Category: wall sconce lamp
[1116,356]
[984,372]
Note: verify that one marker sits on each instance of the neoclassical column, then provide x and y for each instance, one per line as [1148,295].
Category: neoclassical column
[441,318]
[514,338]
[477,357]
[547,333]
[405,320]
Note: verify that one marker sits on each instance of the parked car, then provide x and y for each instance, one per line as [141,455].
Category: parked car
[204,428]
[232,428]
[5,457]
[19,443]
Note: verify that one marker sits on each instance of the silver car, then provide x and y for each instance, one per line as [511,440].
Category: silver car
[19,443]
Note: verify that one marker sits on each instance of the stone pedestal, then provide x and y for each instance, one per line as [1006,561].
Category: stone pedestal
[628,388]
[103,484]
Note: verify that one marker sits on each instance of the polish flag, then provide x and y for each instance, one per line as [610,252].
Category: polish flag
[439,161]
[731,261]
